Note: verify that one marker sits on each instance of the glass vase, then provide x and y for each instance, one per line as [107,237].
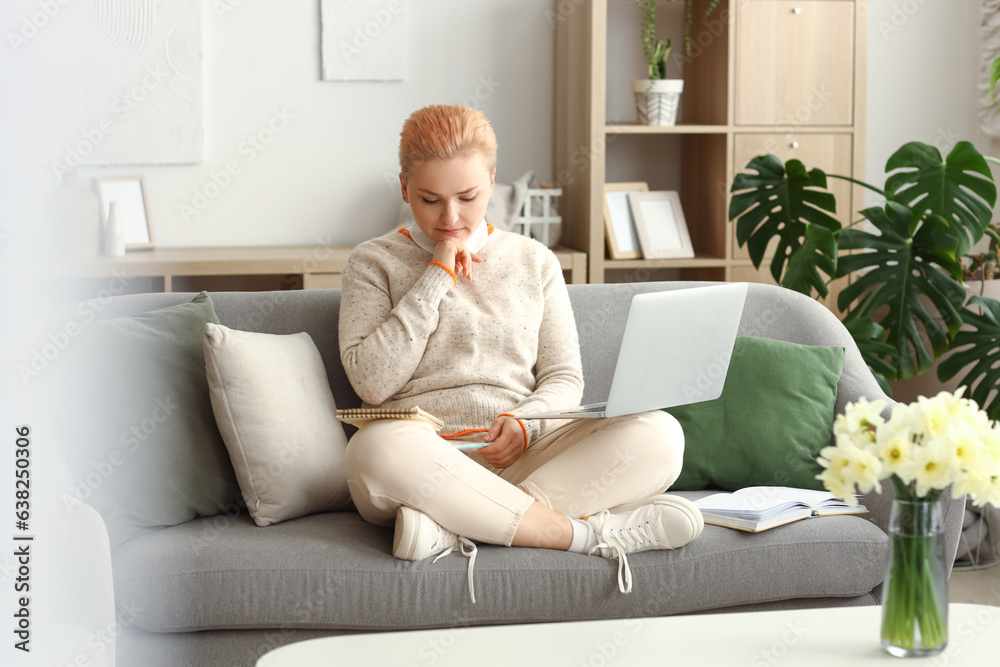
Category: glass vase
[915,590]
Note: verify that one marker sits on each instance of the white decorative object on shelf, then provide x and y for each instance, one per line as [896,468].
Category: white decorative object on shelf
[114,236]
[538,214]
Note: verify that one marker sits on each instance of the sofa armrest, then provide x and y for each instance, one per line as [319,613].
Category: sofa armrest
[81,618]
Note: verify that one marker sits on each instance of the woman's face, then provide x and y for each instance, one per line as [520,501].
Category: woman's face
[449,197]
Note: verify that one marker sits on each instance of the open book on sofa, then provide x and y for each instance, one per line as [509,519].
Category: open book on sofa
[758,508]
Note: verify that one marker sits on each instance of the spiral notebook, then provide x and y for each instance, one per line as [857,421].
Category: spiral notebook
[361,416]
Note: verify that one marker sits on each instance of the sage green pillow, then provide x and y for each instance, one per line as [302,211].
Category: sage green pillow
[774,415]
[141,438]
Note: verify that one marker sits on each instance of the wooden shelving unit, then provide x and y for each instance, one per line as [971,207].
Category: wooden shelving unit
[768,76]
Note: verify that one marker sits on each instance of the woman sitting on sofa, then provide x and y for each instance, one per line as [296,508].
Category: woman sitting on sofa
[475,326]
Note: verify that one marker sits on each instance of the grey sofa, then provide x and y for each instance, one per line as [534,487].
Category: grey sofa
[221,591]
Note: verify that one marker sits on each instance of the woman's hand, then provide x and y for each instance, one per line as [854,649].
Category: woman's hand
[455,255]
[508,442]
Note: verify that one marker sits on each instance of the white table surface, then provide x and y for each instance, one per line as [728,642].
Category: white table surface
[813,637]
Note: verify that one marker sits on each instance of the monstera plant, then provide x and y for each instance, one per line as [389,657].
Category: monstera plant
[905,303]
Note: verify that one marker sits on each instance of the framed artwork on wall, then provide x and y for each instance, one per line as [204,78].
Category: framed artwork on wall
[133,70]
[619,226]
[363,40]
[660,225]
[133,208]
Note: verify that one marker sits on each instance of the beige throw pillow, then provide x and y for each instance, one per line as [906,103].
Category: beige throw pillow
[272,401]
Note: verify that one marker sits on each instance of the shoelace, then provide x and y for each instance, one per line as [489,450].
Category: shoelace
[468,549]
[622,541]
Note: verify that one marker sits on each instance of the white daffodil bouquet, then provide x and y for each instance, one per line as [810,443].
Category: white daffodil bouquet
[924,448]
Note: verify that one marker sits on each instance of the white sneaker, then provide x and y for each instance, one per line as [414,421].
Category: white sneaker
[417,537]
[659,522]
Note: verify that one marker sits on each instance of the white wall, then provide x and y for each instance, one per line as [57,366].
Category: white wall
[330,175]
[923,73]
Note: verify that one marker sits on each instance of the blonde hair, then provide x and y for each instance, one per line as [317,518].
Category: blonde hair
[442,132]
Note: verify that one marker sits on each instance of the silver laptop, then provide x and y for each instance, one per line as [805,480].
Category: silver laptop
[675,351]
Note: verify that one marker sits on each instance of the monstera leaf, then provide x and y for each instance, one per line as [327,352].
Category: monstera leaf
[787,201]
[818,251]
[960,190]
[870,337]
[977,344]
[898,273]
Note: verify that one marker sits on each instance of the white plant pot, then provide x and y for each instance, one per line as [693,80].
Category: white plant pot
[657,100]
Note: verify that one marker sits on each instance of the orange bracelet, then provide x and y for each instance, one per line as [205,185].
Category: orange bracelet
[523,429]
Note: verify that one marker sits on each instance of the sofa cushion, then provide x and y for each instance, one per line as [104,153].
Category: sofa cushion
[774,415]
[140,436]
[335,571]
[273,404]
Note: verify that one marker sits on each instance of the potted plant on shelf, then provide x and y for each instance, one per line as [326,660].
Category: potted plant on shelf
[905,304]
[656,97]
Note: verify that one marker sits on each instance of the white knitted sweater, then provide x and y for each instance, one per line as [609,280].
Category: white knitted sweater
[505,341]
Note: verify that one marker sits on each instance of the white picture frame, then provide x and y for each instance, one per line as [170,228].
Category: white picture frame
[133,207]
[660,225]
[619,226]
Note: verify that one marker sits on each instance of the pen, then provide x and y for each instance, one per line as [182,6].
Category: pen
[473,445]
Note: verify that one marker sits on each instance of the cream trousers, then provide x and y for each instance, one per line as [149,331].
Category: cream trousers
[579,468]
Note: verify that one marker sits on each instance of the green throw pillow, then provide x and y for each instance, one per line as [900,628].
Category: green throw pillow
[139,433]
[775,414]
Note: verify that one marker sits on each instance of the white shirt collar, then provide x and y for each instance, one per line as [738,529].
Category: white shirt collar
[474,243]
